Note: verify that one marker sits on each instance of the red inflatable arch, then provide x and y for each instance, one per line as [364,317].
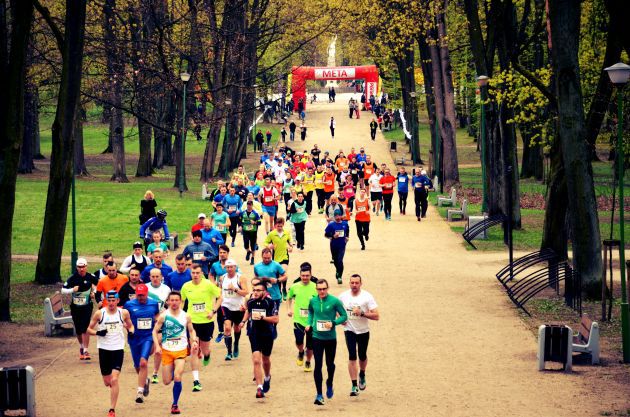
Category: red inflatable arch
[301,74]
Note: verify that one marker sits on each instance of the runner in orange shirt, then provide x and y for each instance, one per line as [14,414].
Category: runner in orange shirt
[112,282]
[329,183]
[362,216]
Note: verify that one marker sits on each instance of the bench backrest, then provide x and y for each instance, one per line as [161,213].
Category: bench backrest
[585,328]
[453,195]
[56,302]
[465,208]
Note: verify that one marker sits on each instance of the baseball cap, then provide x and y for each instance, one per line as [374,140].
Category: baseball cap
[142,289]
[112,294]
[136,245]
[338,213]
[197,233]
[230,262]
[201,216]
[81,262]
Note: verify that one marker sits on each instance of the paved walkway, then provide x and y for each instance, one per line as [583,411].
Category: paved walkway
[449,343]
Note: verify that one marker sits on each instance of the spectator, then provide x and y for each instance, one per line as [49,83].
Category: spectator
[268,135]
[147,207]
[260,139]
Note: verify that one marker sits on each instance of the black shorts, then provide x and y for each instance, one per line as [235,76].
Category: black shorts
[81,317]
[235,317]
[375,195]
[110,360]
[204,331]
[261,343]
[284,262]
[356,342]
[299,332]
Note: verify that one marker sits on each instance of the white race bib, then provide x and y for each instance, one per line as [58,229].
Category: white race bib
[402,179]
[220,227]
[231,208]
[199,307]
[354,171]
[112,327]
[304,312]
[248,227]
[321,326]
[144,324]
[340,233]
[268,199]
[258,314]
[197,256]
[351,314]
[361,209]
[418,185]
[299,209]
[79,300]
[229,293]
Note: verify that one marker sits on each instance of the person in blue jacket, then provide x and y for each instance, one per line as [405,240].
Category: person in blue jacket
[154,224]
[338,232]
[200,252]
[233,202]
[211,236]
[421,185]
[402,180]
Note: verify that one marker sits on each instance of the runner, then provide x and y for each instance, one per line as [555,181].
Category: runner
[261,317]
[298,218]
[234,288]
[216,272]
[338,232]
[279,241]
[376,190]
[421,185]
[362,217]
[158,262]
[361,307]
[158,292]
[200,251]
[111,322]
[82,286]
[177,329]
[250,220]
[113,281]
[100,273]
[324,313]
[201,295]
[302,292]
[272,275]
[233,202]
[176,279]
[128,291]
[319,188]
[403,190]
[136,260]
[387,183]
[143,313]
[221,221]
[268,196]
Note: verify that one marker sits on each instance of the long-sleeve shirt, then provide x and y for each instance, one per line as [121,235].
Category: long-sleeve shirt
[325,310]
[153,225]
[198,250]
[208,235]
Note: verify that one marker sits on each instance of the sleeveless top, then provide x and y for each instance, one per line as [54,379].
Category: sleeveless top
[362,213]
[268,197]
[174,331]
[115,337]
[231,300]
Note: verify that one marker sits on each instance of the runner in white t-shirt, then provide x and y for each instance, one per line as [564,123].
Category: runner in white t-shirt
[158,292]
[361,307]
[376,190]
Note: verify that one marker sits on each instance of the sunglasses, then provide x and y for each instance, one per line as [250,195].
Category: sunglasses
[322,289]
[258,290]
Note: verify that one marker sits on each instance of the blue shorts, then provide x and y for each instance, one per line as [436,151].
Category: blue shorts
[270,210]
[140,348]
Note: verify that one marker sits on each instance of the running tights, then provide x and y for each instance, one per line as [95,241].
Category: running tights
[319,348]
[387,200]
[363,230]
[321,198]
[299,233]
[337,255]
[233,228]
[420,198]
[309,202]
[402,201]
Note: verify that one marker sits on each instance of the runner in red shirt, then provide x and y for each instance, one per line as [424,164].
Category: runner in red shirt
[387,182]
[362,216]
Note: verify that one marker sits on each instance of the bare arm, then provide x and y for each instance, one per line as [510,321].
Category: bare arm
[96,317]
[128,323]
[156,329]
[372,314]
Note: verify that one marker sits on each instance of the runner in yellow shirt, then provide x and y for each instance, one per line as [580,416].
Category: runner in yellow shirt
[309,188]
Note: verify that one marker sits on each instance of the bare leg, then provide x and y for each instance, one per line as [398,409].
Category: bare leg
[266,363]
[258,371]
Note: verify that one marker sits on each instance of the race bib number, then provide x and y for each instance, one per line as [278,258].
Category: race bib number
[258,314]
[112,327]
[418,185]
[389,185]
[304,312]
[144,324]
[361,209]
[231,208]
[340,233]
[199,307]
[197,256]
[79,300]
[321,326]
[229,293]
[268,199]
[172,344]
[351,314]
[220,227]
[328,182]
[319,181]
[299,209]
[248,228]
[402,179]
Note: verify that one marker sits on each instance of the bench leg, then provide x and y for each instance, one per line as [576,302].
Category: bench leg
[541,348]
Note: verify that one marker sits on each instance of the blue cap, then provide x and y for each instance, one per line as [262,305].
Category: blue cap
[112,294]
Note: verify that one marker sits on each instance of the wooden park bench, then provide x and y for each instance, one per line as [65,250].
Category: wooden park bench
[443,200]
[586,340]
[400,160]
[205,195]
[55,316]
[461,212]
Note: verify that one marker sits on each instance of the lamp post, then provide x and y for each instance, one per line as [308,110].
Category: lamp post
[482,81]
[619,74]
[185,77]
[412,94]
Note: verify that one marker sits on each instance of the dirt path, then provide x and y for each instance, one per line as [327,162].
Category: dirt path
[448,343]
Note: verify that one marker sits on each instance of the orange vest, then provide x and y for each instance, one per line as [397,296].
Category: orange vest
[362,210]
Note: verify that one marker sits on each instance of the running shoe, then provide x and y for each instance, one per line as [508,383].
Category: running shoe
[267,384]
[319,400]
[362,383]
[329,391]
[367,238]
[228,357]
[307,367]
[362,247]
[284,295]
[300,359]
[197,386]
[259,393]
[154,379]
[320,211]
[232,243]
[247,256]
[139,397]
[251,262]
[145,390]
[206,362]
[86,355]
[354,392]
[235,355]
[219,338]
[175,409]
[111,413]
[81,354]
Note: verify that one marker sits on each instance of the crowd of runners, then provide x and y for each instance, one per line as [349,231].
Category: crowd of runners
[170,313]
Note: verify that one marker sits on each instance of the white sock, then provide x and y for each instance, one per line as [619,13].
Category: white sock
[195,375]
[260,387]
[140,389]
[267,377]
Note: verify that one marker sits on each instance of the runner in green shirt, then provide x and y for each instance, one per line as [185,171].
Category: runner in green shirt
[200,296]
[279,240]
[302,292]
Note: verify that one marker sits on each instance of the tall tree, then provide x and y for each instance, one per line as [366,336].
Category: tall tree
[14,33]
[71,42]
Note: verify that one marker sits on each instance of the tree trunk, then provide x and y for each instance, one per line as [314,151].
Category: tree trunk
[406,71]
[31,113]
[564,16]
[80,169]
[55,217]
[532,159]
[427,72]
[554,230]
[451,168]
[14,34]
